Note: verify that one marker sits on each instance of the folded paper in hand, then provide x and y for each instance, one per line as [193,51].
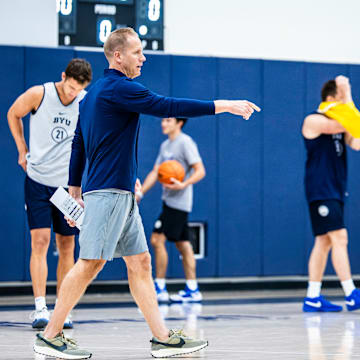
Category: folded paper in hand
[68,206]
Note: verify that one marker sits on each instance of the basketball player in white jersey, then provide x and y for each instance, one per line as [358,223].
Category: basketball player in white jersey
[54,109]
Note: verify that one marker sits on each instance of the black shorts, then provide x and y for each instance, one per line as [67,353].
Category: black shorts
[173,223]
[41,213]
[326,215]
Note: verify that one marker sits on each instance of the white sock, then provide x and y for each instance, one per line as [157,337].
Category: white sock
[192,284]
[348,287]
[313,289]
[161,283]
[40,303]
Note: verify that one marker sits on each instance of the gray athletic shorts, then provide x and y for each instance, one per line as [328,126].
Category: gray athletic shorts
[112,226]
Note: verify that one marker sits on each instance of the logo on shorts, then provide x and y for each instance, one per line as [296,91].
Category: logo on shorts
[157,224]
[323,210]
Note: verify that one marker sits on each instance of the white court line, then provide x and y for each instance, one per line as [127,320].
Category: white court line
[93,349]
[278,352]
[207,350]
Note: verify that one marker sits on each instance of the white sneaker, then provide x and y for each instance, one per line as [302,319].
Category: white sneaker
[40,318]
[68,324]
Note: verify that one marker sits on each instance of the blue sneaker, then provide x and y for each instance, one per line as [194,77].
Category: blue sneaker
[187,295]
[319,304]
[353,300]
[162,294]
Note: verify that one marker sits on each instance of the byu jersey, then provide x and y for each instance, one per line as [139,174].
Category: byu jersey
[52,129]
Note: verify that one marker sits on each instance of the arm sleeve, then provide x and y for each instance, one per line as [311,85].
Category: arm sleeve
[134,97]
[191,152]
[77,160]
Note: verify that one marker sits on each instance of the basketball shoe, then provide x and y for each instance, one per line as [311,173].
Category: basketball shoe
[353,300]
[59,347]
[177,344]
[319,304]
[40,318]
[161,294]
[187,295]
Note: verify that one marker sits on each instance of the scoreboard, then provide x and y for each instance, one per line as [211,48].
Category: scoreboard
[88,22]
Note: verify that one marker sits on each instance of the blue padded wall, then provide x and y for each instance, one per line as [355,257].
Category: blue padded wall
[284,157]
[12,213]
[239,174]
[252,199]
[196,78]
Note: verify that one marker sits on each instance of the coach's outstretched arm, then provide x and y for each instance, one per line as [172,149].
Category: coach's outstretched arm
[134,97]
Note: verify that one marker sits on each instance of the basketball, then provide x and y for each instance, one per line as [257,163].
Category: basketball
[170,169]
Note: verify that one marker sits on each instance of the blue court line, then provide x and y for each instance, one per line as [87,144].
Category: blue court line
[233,317]
[130,304]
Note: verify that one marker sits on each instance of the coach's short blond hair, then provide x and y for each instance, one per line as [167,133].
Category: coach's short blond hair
[117,41]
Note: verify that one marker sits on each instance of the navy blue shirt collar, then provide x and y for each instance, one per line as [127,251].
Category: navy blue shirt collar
[108,72]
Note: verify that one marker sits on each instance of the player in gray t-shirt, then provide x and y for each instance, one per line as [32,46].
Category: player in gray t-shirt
[177,204]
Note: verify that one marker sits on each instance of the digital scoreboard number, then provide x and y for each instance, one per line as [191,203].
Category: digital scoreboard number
[149,23]
[89,22]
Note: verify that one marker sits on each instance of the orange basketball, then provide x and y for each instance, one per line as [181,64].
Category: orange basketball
[170,169]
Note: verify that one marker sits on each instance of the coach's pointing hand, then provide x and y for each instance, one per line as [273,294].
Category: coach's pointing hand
[243,108]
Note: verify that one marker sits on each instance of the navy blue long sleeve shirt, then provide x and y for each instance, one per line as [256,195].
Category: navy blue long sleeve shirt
[108,129]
